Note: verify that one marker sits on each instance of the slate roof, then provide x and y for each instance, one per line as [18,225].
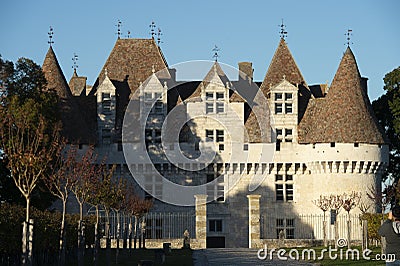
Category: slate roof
[282,64]
[131,62]
[74,127]
[345,115]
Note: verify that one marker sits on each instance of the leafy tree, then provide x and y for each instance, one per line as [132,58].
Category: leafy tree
[25,103]
[387,111]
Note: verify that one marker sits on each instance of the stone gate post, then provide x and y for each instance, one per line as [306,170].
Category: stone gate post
[254,220]
[201,220]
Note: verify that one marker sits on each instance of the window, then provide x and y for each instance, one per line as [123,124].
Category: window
[158,107]
[209,108]
[278,96]
[288,96]
[220,108]
[215,225]
[289,192]
[245,147]
[209,96]
[220,95]
[285,228]
[356,145]
[279,192]
[278,108]
[209,135]
[157,95]
[332,144]
[288,108]
[220,135]
[288,132]
[105,96]
[278,145]
[284,187]
[279,132]
[106,105]
[147,96]
[221,147]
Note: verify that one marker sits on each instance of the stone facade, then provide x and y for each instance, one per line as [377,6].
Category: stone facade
[319,149]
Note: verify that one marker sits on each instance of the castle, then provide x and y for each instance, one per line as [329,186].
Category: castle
[325,138]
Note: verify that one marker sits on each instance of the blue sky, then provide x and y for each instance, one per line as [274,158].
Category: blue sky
[244,30]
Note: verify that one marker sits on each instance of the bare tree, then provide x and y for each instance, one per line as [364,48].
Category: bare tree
[136,207]
[350,201]
[335,203]
[323,203]
[59,183]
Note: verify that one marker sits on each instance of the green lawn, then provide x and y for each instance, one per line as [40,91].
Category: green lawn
[181,257]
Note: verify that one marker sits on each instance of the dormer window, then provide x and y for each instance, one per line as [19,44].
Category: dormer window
[278,108]
[209,108]
[220,95]
[147,96]
[209,96]
[288,96]
[220,108]
[278,96]
[288,108]
[105,96]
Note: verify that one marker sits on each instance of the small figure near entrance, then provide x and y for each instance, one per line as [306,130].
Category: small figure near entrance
[186,239]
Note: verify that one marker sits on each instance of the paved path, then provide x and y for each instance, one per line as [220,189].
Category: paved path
[236,256]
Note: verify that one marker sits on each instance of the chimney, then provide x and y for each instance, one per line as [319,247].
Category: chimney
[246,71]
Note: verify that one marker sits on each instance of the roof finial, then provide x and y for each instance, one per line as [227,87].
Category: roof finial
[348,35]
[75,62]
[105,72]
[284,77]
[152,29]
[119,24]
[129,34]
[159,36]
[216,50]
[283,32]
[50,33]
[153,69]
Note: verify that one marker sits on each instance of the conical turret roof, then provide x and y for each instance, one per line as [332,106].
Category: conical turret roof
[54,75]
[345,115]
[282,64]
[74,127]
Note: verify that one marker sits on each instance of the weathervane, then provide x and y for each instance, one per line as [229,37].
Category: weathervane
[119,24]
[50,33]
[283,32]
[348,35]
[216,50]
[159,36]
[129,34]
[75,62]
[152,29]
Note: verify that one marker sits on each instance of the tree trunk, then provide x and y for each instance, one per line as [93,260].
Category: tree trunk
[130,234]
[324,232]
[62,235]
[348,232]
[108,239]
[81,211]
[135,231]
[96,238]
[26,246]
